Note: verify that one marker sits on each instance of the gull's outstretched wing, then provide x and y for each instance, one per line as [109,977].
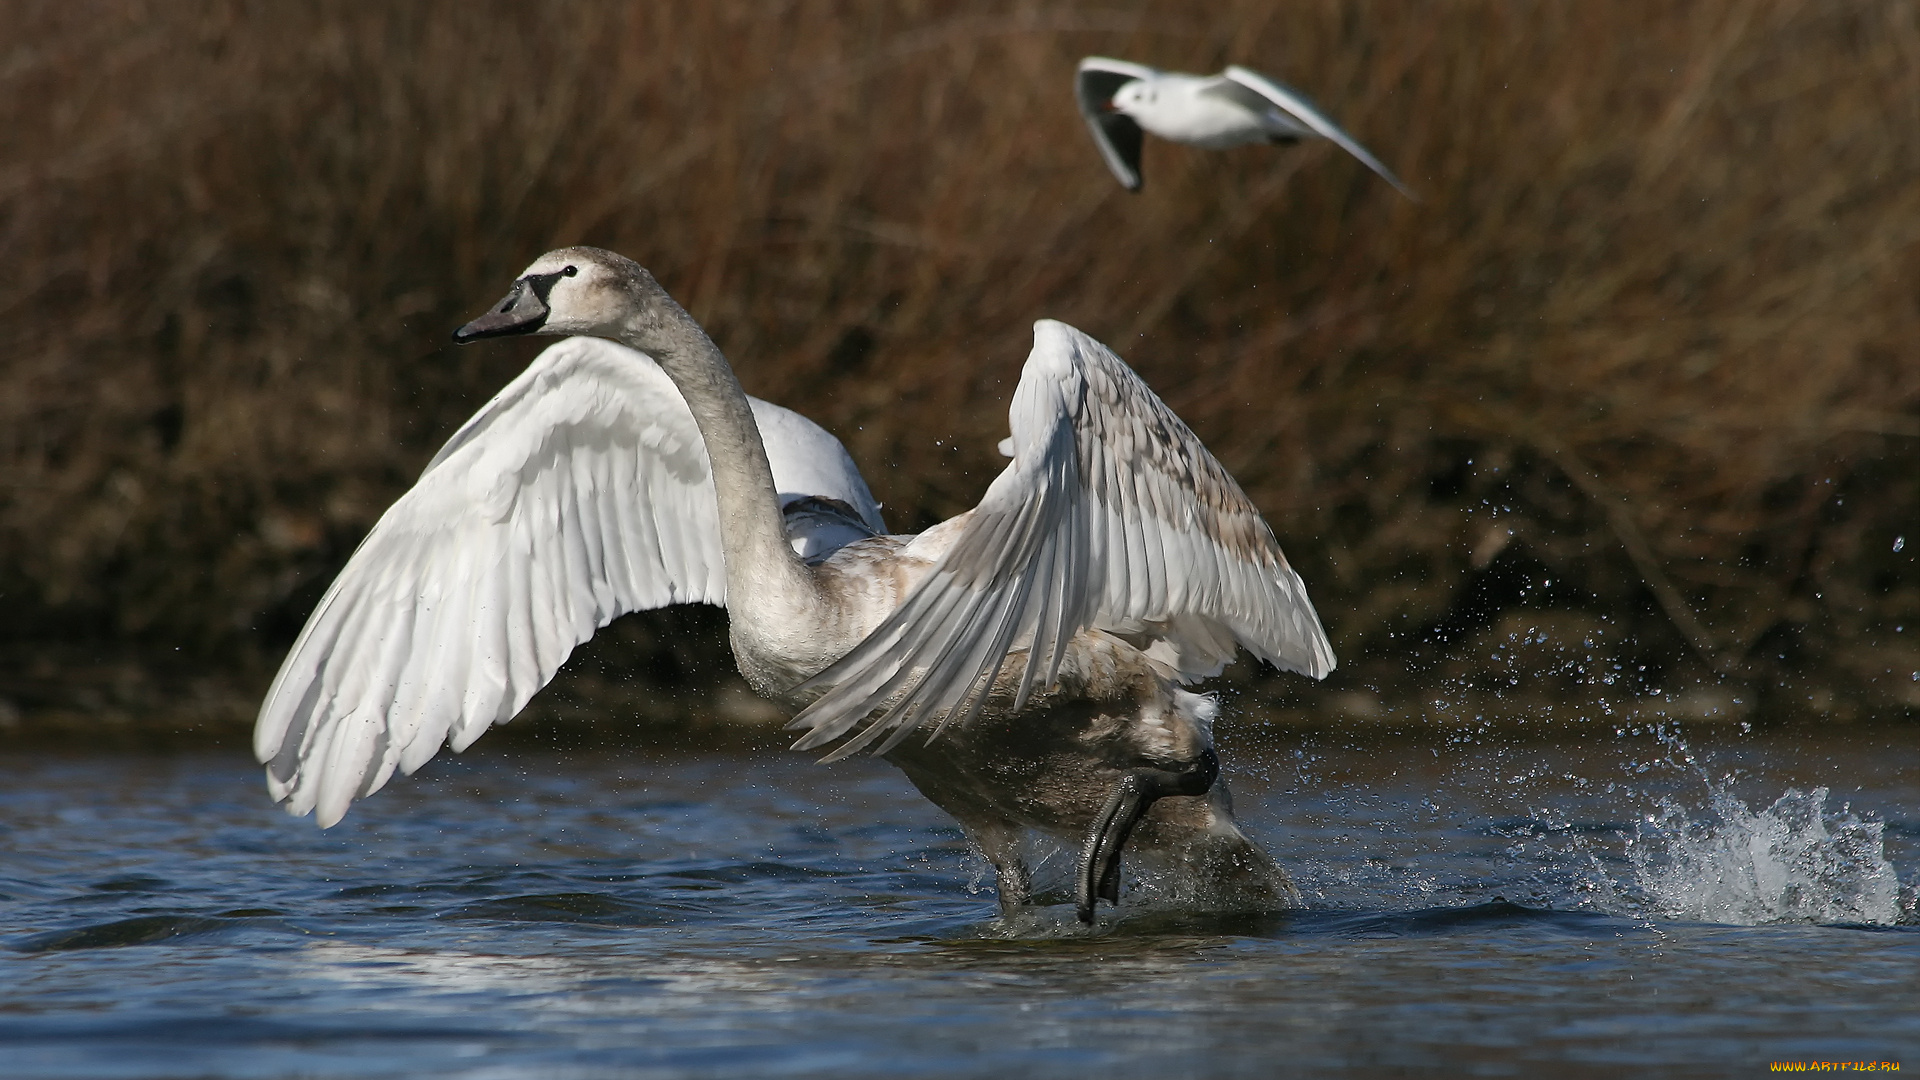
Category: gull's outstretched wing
[1117,135]
[1256,91]
[1111,516]
[581,492]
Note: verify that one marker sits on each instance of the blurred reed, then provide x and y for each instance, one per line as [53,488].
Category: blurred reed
[1640,366]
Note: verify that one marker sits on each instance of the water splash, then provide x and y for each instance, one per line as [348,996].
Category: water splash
[1791,862]
[1642,825]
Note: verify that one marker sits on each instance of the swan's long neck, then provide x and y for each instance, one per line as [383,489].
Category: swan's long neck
[768,588]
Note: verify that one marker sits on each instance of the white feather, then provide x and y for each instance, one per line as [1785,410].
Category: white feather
[1184,564]
[582,491]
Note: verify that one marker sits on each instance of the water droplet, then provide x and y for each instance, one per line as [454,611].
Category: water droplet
[1899,542]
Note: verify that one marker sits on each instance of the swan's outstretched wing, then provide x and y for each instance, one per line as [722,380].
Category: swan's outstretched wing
[808,463]
[1117,135]
[1256,91]
[580,492]
[1111,516]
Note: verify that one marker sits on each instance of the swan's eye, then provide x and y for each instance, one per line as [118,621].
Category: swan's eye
[571,271]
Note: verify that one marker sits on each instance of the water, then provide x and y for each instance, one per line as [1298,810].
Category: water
[1700,904]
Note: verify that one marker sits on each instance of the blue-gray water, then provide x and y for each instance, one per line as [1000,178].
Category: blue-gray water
[1479,904]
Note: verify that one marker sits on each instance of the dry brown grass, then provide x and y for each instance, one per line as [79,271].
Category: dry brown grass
[1656,314]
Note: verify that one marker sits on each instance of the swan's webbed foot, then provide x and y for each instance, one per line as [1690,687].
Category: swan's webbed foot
[1137,791]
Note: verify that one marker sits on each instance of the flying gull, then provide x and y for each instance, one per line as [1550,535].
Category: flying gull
[1236,107]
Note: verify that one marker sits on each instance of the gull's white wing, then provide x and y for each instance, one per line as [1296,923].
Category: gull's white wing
[582,491]
[1235,81]
[1116,134]
[1112,516]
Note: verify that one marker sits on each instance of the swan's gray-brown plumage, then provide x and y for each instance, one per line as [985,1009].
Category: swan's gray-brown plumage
[1038,643]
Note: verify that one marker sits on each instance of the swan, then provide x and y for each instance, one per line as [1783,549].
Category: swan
[1038,644]
[1120,99]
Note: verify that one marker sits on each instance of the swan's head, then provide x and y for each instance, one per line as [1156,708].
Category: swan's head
[576,290]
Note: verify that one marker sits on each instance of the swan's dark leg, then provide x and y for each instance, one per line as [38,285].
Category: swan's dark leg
[1016,885]
[1099,876]
[1000,842]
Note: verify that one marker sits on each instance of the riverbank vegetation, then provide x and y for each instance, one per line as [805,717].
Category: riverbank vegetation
[1629,400]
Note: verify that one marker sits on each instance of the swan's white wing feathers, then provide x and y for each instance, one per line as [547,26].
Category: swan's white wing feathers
[580,492]
[1111,516]
[1296,107]
[807,461]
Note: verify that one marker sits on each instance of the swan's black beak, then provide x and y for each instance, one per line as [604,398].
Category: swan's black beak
[1137,791]
[524,311]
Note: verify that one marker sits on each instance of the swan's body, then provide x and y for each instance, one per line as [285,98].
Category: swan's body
[1113,549]
[1236,107]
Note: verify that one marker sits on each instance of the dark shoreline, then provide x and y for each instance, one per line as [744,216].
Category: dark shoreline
[122,705]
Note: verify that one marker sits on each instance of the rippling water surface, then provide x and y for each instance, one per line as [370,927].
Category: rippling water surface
[1479,903]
